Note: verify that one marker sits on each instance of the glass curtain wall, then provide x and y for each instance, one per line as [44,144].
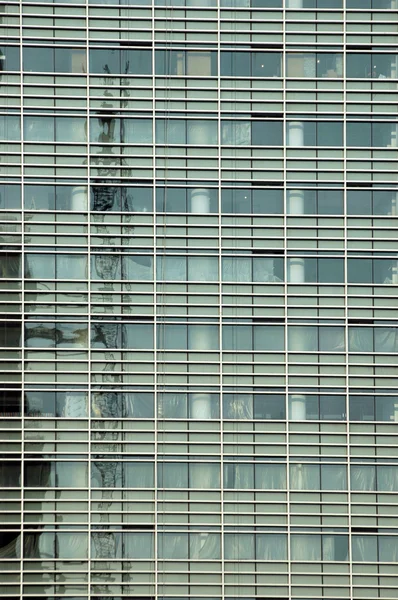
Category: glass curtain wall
[198,323]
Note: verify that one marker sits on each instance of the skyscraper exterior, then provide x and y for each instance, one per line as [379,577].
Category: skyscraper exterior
[198,284]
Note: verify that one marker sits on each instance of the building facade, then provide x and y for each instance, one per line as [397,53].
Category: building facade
[199,271]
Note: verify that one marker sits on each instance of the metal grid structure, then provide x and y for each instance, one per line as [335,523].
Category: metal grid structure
[198,299]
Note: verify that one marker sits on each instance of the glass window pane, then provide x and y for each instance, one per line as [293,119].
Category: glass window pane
[364,548]
[305,477]
[239,546]
[362,408]
[138,544]
[267,133]
[10,128]
[173,545]
[329,133]
[305,547]
[388,548]
[270,476]
[203,337]
[363,478]
[171,268]
[333,477]
[268,337]
[271,546]
[359,270]
[202,268]
[173,475]
[170,131]
[38,59]
[202,132]
[235,64]
[266,64]
[9,58]
[239,476]
[359,202]
[137,131]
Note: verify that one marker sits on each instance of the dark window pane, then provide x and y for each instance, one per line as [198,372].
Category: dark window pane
[38,59]
[330,65]
[10,196]
[10,128]
[386,408]
[10,334]
[330,202]
[362,408]
[329,134]
[235,64]
[359,65]
[261,3]
[10,474]
[10,265]
[171,199]
[138,62]
[9,58]
[266,64]
[358,134]
[236,201]
[359,270]
[70,60]
[114,61]
[331,270]
[269,406]
[359,3]
[384,203]
[10,544]
[332,407]
[10,403]
[267,202]
[309,134]
[383,134]
[359,202]
[267,133]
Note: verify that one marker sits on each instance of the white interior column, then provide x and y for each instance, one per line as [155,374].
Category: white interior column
[298,407]
[200,201]
[295,133]
[79,198]
[79,193]
[295,202]
[394,270]
[201,401]
[200,407]
[296,274]
[296,270]
[200,204]
[394,137]
[395,413]
[394,67]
